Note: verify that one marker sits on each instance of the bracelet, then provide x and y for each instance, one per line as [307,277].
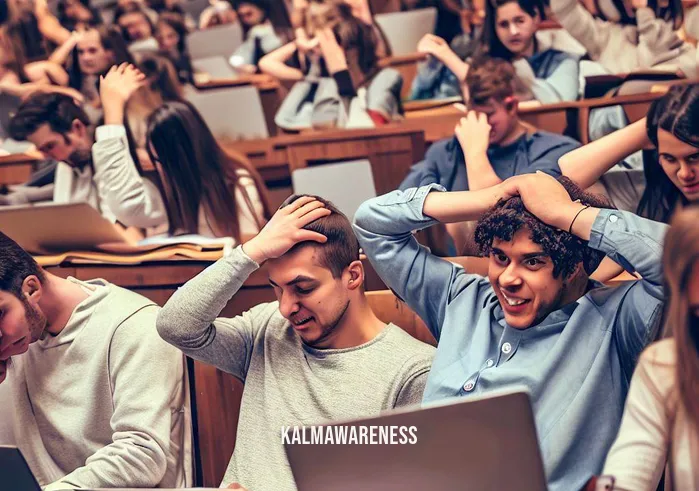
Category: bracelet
[570,229]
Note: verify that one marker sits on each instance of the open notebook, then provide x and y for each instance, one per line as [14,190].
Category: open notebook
[75,231]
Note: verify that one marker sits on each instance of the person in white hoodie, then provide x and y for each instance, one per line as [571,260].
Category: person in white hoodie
[630,35]
[96,399]
[61,130]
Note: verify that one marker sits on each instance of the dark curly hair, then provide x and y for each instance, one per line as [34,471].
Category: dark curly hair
[566,251]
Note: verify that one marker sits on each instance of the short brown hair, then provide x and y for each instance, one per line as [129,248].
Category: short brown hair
[341,248]
[490,78]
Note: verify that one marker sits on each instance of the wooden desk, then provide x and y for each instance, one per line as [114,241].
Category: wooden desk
[17,167]
[391,149]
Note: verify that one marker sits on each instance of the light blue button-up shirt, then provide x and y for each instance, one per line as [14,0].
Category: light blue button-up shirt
[576,363]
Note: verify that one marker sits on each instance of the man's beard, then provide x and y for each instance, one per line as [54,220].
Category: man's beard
[328,329]
[36,321]
[80,158]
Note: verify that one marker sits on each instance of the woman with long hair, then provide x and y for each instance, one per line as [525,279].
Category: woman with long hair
[208,190]
[660,427]
[171,34]
[203,189]
[544,74]
[332,44]
[91,54]
[630,35]
[670,135]
[266,27]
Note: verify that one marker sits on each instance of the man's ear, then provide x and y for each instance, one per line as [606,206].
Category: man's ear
[79,128]
[355,275]
[511,103]
[32,289]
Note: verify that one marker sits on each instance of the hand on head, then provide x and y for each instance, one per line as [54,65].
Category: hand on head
[473,133]
[120,83]
[544,197]
[286,229]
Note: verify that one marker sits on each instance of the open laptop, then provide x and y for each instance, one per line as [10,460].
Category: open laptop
[50,227]
[484,444]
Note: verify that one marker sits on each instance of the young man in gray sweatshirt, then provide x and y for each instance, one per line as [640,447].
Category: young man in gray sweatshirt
[94,397]
[316,354]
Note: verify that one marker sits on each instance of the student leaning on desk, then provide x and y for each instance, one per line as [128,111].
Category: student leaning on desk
[96,398]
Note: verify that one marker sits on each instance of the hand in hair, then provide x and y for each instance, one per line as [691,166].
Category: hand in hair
[285,230]
[473,133]
[115,89]
[333,54]
[546,198]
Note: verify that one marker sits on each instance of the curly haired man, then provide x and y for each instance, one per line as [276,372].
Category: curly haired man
[537,321]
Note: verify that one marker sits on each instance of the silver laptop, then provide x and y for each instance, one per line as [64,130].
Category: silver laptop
[404,30]
[346,184]
[50,227]
[483,444]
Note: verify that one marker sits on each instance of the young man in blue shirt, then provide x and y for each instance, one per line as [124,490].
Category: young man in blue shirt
[537,320]
[490,142]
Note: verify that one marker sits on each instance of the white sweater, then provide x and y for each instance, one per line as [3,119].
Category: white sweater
[115,188]
[651,43]
[136,201]
[655,429]
[103,404]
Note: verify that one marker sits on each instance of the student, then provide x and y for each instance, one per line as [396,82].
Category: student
[671,170]
[61,130]
[544,74]
[316,354]
[491,143]
[98,400]
[136,27]
[642,36]
[78,15]
[208,190]
[160,85]
[333,41]
[661,419]
[171,34]
[19,78]
[537,321]
[260,35]
[90,54]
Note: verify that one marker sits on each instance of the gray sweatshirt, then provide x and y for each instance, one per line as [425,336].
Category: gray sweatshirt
[103,403]
[286,382]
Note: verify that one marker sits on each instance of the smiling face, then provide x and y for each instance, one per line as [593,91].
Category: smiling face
[680,162]
[310,298]
[515,28]
[522,278]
